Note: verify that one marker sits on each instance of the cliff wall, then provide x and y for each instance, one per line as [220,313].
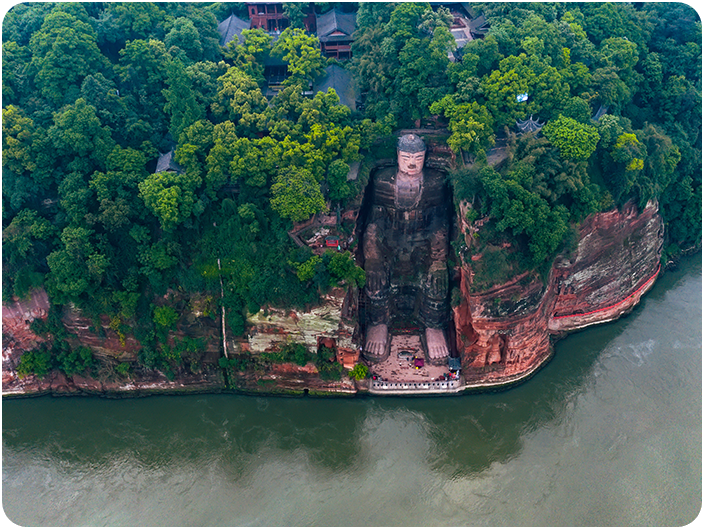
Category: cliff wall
[331,323]
[503,333]
[110,346]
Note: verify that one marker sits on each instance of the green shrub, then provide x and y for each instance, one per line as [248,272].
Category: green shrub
[37,363]
[330,371]
[74,361]
[359,372]
[149,358]
[165,316]
[123,369]
[328,367]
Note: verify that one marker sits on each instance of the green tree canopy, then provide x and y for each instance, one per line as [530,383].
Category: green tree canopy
[301,52]
[64,51]
[296,194]
[575,140]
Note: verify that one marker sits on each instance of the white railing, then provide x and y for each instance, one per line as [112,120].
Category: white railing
[440,385]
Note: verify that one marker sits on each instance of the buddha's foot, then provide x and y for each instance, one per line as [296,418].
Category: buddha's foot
[377,337]
[437,346]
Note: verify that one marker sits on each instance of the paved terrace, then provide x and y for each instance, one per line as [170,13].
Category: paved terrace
[397,375]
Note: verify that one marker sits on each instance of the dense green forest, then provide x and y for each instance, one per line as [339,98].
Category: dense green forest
[92,93]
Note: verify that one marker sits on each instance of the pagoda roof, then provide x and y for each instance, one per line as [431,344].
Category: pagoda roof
[479,25]
[167,163]
[230,28]
[342,82]
[335,25]
[529,125]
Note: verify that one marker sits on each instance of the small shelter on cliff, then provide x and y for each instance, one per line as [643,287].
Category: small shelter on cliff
[529,125]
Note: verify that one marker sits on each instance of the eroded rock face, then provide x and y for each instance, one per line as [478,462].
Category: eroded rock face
[17,336]
[330,320]
[504,332]
[104,341]
[617,261]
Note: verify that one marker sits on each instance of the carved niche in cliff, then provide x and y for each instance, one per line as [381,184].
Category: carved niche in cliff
[405,243]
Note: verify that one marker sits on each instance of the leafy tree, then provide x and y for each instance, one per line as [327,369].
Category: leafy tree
[470,123]
[167,198]
[181,101]
[165,316]
[255,162]
[294,12]
[125,21]
[342,268]
[659,165]
[373,14]
[77,267]
[575,140]
[205,24]
[577,109]
[518,75]
[26,148]
[514,207]
[305,271]
[359,372]
[340,189]
[37,363]
[64,51]
[240,100]
[116,188]
[142,71]
[626,157]
[249,55]
[26,241]
[185,38]
[203,78]
[74,361]
[79,137]
[23,20]
[296,194]
[301,52]
[15,64]
[557,179]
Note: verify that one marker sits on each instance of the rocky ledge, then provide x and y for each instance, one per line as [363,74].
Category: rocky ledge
[504,333]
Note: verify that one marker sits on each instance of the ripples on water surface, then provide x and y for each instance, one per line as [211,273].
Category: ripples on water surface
[609,433]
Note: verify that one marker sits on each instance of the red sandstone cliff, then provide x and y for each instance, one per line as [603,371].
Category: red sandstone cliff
[503,333]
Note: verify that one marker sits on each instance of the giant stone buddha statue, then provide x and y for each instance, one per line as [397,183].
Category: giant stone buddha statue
[405,247]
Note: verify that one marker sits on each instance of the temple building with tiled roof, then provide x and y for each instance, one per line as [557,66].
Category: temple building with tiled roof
[335,30]
[230,28]
[342,82]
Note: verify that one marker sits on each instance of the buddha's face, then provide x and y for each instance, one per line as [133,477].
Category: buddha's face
[411,162]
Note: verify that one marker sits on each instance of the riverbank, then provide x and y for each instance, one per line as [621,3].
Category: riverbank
[613,418]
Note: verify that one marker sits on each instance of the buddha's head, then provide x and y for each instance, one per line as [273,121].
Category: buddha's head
[411,154]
